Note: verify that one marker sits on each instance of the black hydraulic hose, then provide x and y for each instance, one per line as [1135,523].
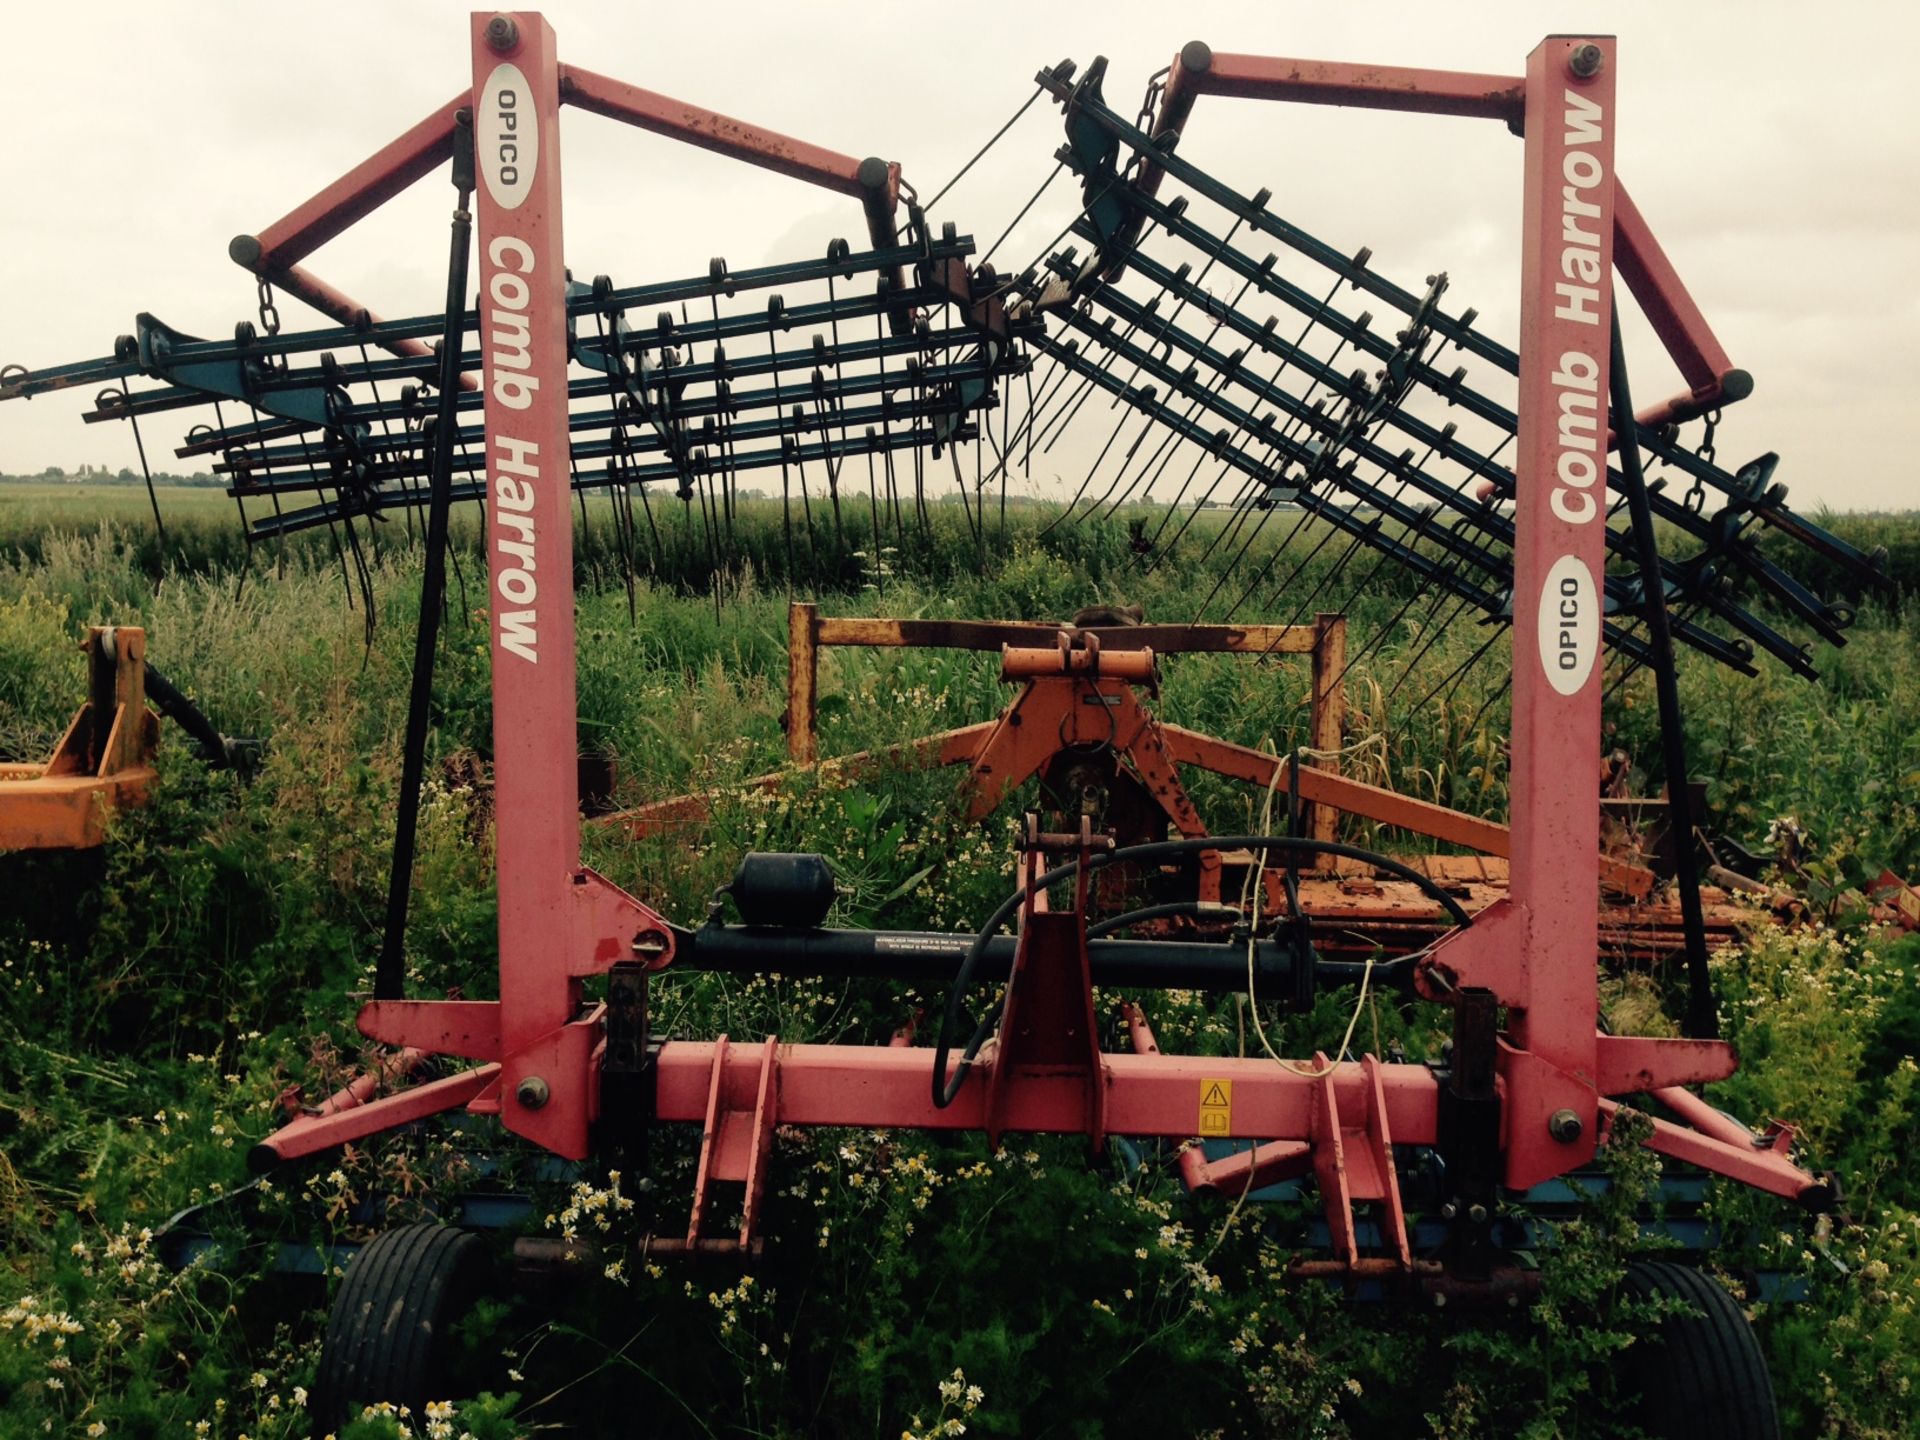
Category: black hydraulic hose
[945,1090]
[932,958]
[189,717]
[389,981]
[1703,1019]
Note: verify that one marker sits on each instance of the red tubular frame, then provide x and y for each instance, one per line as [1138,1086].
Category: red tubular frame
[722,134]
[1559,540]
[363,189]
[276,252]
[1197,70]
[559,922]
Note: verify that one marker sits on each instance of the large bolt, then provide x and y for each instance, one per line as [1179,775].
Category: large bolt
[1477,1213]
[1585,61]
[503,34]
[1565,1126]
[532,1092]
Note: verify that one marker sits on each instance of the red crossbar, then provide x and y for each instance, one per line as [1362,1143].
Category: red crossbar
[1200,71]
[885,1087]
[710,130]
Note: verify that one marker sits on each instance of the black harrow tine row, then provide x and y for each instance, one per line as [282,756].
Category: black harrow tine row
[758,383]
[1372,454]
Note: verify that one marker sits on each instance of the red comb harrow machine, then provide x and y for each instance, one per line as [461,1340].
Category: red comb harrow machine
[1553,544]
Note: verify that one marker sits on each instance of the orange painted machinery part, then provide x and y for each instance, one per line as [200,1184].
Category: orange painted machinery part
[103,763]
[1087,661]
[1077,688]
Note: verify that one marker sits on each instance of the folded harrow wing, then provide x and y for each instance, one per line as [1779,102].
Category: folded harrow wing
[1498,497]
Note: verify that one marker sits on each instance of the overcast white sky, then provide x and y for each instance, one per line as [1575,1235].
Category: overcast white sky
[1772,146]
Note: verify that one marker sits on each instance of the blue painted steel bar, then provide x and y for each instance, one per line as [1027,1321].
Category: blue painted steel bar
[25,384]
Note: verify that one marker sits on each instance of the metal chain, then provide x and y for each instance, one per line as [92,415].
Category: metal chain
[1706,451]
[1156,87]
[1696,499]
[269,312]
[1149,103]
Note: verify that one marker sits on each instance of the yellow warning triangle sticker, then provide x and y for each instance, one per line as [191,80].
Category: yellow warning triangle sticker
[1215,1096]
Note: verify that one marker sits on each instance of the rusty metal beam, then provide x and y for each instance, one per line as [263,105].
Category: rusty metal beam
[993,634]
[1371,802]
[803,683]
[949,747]
[1327,716]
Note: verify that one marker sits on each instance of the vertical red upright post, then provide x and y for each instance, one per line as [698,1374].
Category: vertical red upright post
[1559,557]
[522,327]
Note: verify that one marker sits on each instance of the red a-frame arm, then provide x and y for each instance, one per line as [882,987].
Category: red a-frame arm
[276,253]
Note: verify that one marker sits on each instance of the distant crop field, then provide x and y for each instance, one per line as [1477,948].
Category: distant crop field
[157,996]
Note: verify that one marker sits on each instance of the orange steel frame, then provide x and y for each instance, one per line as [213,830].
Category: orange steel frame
[985,747]
[544,1053]
[1056,711]
[103,763]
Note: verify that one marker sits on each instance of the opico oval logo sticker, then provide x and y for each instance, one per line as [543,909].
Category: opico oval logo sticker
[1569,624]
[506,136]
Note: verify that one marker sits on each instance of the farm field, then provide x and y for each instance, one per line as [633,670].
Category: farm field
[158,994]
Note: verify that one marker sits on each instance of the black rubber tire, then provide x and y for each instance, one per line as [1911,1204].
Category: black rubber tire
[1701,1376]
[387,1331]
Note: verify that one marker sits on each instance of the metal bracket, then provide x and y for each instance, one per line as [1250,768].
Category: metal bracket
[735,1146]
[1048,1037]
[1353,1163]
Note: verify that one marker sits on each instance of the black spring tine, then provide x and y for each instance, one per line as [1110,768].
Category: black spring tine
[806,500]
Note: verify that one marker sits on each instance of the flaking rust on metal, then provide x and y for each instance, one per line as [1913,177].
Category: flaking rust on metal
[1509,94]
[737,132]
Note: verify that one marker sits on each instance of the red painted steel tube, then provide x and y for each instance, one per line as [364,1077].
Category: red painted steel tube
[1028,663]
[523,329]
[362,190]
[1704,1117]
[1200,71]
[1193,1160]
[710,130]
[885,1087]
[311,1134]
[1559,557]
[1711,377]
[1184,86]
[335,303]
[1737,1158]
[1139,1033]
[875,183]
[396,1065]
[1666,303]
[1734,385]
[1251,1169]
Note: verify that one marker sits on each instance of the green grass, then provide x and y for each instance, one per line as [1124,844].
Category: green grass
[156,995]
